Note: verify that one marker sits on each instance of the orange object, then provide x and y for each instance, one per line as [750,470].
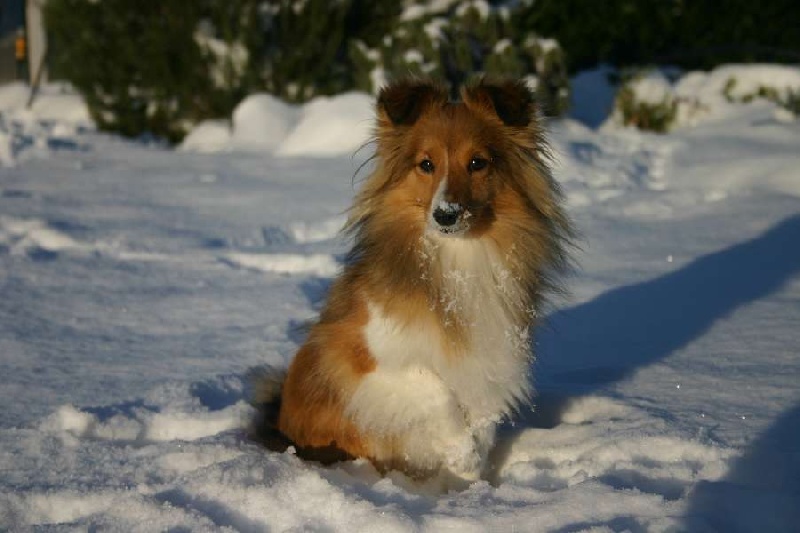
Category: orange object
[20,48]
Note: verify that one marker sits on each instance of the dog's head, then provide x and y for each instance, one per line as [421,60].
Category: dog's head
[447,164]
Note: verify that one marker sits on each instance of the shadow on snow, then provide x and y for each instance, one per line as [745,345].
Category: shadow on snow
[762,490]
[605,340]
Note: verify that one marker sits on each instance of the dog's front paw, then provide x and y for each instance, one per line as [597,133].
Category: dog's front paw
[451,482]
[462,460]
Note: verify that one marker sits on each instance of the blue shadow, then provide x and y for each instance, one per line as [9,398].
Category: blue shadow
[762,490]
[604,340]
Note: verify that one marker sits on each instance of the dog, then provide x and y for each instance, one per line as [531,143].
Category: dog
[424,343]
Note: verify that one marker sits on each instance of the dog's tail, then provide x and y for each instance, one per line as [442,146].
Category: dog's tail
[267,386]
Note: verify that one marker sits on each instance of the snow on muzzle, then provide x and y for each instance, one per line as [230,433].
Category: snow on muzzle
[446,216]
[450,218]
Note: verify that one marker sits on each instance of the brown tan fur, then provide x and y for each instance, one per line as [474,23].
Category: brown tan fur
[513,202]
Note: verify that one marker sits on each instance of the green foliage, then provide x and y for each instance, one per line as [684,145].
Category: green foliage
[458,40]
[688,33]
[149,66]
[791,101]
[652,116]
[302,48]
[788,98]
[305,52]
[657,107]
[160,66]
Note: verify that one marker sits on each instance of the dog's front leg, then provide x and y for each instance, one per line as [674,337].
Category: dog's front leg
[415,410]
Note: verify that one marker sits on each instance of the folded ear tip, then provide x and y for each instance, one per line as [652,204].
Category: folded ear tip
[511,99]
[403,101]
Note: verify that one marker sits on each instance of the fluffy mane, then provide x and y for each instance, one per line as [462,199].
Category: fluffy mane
[534,238]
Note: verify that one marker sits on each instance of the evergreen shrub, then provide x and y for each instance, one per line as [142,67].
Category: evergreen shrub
[155,67]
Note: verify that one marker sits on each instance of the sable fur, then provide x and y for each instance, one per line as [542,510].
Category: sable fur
[402,286]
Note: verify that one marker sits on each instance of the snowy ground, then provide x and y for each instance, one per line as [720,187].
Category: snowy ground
[140,286]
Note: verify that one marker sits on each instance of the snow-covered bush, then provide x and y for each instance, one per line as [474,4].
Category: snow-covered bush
[786,97]
[155,67]
[660,100]
[454,40]
[302,42]
[646,101]
[261,123]
[163,67]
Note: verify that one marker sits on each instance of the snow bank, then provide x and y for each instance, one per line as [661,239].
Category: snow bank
[699,97]
[54,120]
[652,88]
[326,126]
[331,126]
[53,102]
[208,136]
[720,94]
[743,80]
[725,92]
[261,122]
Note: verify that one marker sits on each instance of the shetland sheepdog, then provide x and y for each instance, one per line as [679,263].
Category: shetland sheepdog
[424,343]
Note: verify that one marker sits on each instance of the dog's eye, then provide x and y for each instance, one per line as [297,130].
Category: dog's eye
[426,165]
[477,163]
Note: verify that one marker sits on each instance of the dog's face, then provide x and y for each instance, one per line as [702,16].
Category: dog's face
[449,160]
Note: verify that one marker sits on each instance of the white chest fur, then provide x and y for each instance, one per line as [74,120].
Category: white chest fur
[443,407]
[479,292]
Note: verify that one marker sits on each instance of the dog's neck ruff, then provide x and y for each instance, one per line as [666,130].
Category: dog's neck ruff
[488,370]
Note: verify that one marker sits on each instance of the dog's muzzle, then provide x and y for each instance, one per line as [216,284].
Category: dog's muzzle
[450,218]
[447,215]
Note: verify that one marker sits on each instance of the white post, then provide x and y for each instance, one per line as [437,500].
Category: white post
[37,41]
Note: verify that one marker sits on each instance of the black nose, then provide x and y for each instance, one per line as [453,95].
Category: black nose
[447,216]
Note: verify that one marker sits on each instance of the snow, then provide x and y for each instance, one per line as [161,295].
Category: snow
[547,45]
[230,59]
[481,7]
[50,124]
[653,88]
[323,265]
[413,11]
[701,97]
[208,136]
[262,123]
[748,79]
[259,124]
[330,126]
[141,288]
[413,56]
[434,30]
[704,97]
[502,45]
[56,103]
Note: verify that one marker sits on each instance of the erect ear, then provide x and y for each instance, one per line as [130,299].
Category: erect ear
[402,102]
[510,100]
